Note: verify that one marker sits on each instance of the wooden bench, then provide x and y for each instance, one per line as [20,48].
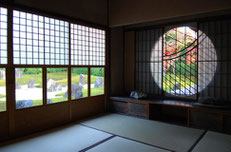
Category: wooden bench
[174,111]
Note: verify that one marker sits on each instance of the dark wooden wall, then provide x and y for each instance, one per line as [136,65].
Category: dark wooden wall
[89,10]
[117,61]
[137,11]
[4,127]
[129,61]
[122,62]
[34,119]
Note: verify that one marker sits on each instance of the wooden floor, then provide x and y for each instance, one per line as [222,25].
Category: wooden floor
[119,133]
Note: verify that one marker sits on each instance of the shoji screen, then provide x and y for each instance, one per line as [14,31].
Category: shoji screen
[149,61]
[214,72]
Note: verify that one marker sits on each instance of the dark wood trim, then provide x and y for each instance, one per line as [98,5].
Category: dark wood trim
[3,4]
[227,113]
[108,13]
[98,143]
[188,117]
[197,94]
[135,63]
[10,74]
[123,60]
[106,87]
[209,110]
[69,93]
[41,106]
[20,7]
[222,122]
[89,81]
[198,140]
[180,20]
[159,102]
[57,66]
[107,69]
[62,102]
[162,61]
[147,111]
[124,137]
[44,86]
[69,75]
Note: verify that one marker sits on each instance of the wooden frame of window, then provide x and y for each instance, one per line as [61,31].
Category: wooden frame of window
[72,110]
[3,46]
[10,73]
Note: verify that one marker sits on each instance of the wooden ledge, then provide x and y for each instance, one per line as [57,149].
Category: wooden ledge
[176,103]
[153,101]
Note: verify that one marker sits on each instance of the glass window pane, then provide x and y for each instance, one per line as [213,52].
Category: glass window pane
[2,89]
[3,35]
[57,85]
[28,32]
[97,81]
[87,45]
[28,87]
[79,83]
[180,61]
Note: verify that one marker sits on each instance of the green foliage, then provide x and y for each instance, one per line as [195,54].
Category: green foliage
[170,35]
[2,96]
[2,106]
[27,77]
[31,70]
[97,72]
[186,69]
[93,78]
[94,92]
[2,82]
[97,91]
[55,70]
[58,76]
[75,78]
[170,79]
[94,71]
[55,100]
[60,94]
[37,102]
[39,70]
[79,71]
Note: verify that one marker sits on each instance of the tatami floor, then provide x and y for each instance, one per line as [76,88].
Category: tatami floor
[119,133]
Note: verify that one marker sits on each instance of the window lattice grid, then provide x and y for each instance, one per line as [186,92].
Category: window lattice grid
[96,46]
[209,74]
[213,60]
[39,40]
[87,45]
[79,45]
[149,61]
[56,42]
[3,35]
[180,61]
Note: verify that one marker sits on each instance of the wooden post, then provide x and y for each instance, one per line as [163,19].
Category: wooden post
[10,75]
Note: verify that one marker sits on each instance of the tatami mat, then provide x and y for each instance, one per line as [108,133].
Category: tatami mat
[214,142]
[173,137]
[118,144]
[70,138]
